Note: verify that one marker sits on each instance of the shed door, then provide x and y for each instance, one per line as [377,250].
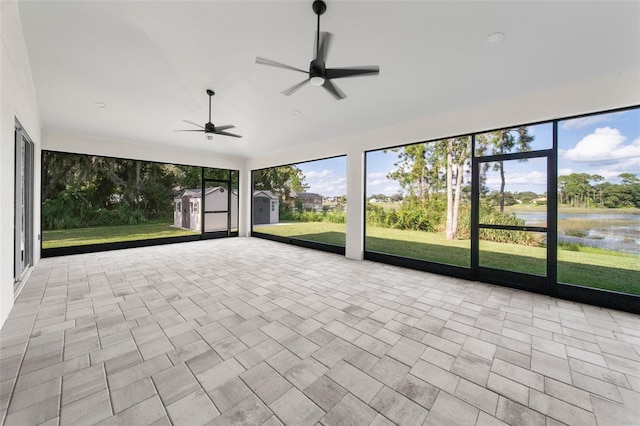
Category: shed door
[261,210]
[186,213]
[216,207]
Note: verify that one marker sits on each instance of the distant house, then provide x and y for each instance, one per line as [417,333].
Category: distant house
[188,209]
[540,201]
[266,208]
[308,200]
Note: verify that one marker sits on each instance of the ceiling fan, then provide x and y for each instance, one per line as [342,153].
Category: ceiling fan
[209,129]
[319,75]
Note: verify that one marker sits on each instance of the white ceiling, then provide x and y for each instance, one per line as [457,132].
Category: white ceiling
[152,61]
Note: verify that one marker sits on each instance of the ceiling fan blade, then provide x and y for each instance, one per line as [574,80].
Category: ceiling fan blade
[227,134]
[334,90]
[225,127]
[190,130]
[351,71]
[191,122]
[325,43]
[291,90]
[269,62]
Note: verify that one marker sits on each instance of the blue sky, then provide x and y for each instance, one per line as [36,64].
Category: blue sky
[326,177]
[604,144]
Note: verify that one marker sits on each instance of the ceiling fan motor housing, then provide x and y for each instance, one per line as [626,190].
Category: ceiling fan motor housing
[316,70]
[319,7]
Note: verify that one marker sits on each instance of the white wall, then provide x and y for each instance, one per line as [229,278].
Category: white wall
[81,144]
[17,100]
[616,91]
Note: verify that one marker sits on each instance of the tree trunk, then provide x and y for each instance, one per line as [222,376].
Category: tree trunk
[449,229]
[456,201]
[502,184]
[601,204]
[138,191]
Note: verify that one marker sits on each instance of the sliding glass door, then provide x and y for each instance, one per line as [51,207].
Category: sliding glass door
[23,238]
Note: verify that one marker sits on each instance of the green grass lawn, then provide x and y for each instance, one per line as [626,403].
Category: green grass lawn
[323,232]
[110,234]
[588,267]
[583,266]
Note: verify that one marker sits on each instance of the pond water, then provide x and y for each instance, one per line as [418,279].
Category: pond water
[611,231]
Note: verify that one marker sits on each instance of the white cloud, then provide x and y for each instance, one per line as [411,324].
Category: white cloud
[336,185]
[579,123]
[377,182]
[565,171]
[534,177]
[611,171]
[382,186]
[603,144]
[391,189]
[312,174]
[377,175]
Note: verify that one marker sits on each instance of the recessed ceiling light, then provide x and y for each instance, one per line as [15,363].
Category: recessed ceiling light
[101,105]
[494,39]
[297,113]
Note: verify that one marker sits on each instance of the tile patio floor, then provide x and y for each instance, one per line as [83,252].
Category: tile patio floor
[244,331]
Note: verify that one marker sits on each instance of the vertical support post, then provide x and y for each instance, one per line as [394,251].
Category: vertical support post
[202,195]
[355,205]
[475,210]
[552,213]
[245,200]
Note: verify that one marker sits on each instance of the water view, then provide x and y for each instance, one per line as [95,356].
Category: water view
[614,231]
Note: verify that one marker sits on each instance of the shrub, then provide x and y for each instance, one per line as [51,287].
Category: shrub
[313,216]
[493,217]
[68,210]
[336,216]
[71,209]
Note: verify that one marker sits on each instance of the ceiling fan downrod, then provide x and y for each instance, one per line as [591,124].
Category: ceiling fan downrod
[317,67]
[210,93]
[319,7]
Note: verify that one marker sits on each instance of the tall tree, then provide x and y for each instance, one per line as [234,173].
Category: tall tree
[428,169]
[411,169]
[575,189]
[457,157]
[630,184]
[593,181]
[629,179]
[504,142]
[280,180]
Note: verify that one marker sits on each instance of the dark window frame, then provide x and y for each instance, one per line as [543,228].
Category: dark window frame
[330,248]
[548,285]
[94,248]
